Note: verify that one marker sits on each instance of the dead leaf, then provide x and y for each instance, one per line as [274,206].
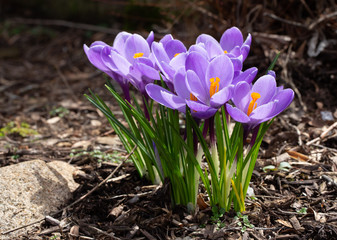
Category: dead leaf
[95,123]
[50,142]
[308,191]
[53,120]
[319,217]
[64,144]
[201,202]
[296,205]
[284,223]
[81,144]
[322,187]
[107,140]
[298,156]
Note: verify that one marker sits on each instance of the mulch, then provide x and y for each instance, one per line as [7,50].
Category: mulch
[44,74]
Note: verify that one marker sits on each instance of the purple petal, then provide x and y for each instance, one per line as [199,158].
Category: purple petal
[271,73]
[168,71]
[204,38]
[235,52]
[99,43]
[94,56]
[120,79]
[237,63]
[136,44]
[266,87]
[178,61]
[237,114]
[213,49]
[248,40]
[262,113]
[232,37]
[195,86]
[150,38]
[196,62]
[106,58]
[221,97]
[121,63]
[211,45]
[200,110]
[159,54]
[167,38]
[241,97]
[119,42]
[222,68]
[180,84]
[283,100]
[279,89]
[165,97]
[147,70]
[200,48]
[173,47]
[134,78]
[246,76]
[246,47]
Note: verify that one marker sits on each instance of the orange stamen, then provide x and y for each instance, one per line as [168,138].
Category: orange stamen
[137,55]
[176,54]
[214,88]
[225,51]
[253,104]
[193,98]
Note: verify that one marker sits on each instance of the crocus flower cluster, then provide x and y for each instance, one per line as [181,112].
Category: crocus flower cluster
[203,78]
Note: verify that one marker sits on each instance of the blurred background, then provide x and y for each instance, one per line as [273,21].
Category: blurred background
[305,31]
[41,43]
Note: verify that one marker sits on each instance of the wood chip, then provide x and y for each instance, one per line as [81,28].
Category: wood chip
[296,224]
[74,232]
[147,234]
[116,211]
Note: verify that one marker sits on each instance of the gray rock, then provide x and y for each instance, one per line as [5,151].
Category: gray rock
[31,190]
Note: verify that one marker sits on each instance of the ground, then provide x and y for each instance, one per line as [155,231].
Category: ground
[44,75]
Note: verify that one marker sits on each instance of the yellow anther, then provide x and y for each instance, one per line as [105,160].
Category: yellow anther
[176,54]
[137,55]
[253,104]
[192,97]
[225,51]
[214,88]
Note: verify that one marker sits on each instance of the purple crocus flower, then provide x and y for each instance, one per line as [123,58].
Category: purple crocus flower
[128,60]
[203,85]
[131,54]
[169,55]
[231,44]
[97,53]
[259,102]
